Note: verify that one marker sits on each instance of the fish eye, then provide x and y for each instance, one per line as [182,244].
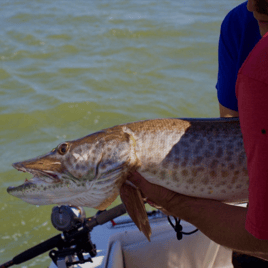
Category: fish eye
[63,148]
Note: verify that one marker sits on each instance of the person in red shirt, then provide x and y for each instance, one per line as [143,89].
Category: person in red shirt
[252,95]
[242,229]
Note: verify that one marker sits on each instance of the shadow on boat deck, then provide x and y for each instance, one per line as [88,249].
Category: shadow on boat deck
[246,261]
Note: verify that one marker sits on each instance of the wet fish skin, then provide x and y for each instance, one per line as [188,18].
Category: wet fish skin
[196,157]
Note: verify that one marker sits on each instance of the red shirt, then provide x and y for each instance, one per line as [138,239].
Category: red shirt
[252,95]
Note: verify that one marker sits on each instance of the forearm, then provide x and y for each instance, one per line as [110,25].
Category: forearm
[224,224]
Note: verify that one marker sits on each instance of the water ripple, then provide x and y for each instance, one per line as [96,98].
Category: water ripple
[70,68]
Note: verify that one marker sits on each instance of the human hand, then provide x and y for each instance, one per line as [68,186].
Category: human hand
[171,203]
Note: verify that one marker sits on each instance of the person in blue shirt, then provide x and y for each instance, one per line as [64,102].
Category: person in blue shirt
[241,30]
[239,34]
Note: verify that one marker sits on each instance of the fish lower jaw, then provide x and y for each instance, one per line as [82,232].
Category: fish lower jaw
[29,189]
[33,182]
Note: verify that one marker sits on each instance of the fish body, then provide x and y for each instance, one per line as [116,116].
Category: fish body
[197,157]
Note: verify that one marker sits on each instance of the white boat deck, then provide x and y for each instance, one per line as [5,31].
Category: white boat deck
[123,245]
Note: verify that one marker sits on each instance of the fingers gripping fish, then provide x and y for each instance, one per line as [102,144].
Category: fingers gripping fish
[197,157]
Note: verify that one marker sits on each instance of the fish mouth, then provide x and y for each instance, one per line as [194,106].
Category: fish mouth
[44,177]
[53,187]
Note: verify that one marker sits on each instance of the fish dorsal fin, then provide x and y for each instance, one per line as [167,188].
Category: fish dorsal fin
[132,199]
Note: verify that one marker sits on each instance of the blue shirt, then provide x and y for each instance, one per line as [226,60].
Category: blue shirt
[239,34]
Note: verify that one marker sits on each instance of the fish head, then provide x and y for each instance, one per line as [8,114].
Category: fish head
[59,177]
[84,172]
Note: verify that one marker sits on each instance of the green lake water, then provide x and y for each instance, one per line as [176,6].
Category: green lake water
[70,68]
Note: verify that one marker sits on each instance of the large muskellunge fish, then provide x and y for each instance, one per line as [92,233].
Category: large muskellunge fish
[197,157]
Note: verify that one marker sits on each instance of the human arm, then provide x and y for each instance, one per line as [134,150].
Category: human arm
[224,224]
[226,112]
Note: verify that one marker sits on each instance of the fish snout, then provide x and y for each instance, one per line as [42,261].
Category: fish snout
[19,166]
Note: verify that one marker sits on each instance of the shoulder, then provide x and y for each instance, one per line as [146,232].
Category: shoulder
[238,14]
[238,21]
[239,32]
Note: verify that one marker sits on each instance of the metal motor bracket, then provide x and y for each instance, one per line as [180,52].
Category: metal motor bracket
[65,218]
[77,239]
[71,220]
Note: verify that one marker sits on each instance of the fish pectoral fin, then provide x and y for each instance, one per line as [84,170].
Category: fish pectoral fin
[107,202]
[135,207]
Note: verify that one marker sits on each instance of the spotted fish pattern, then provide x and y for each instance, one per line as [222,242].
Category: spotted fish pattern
[196,157]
